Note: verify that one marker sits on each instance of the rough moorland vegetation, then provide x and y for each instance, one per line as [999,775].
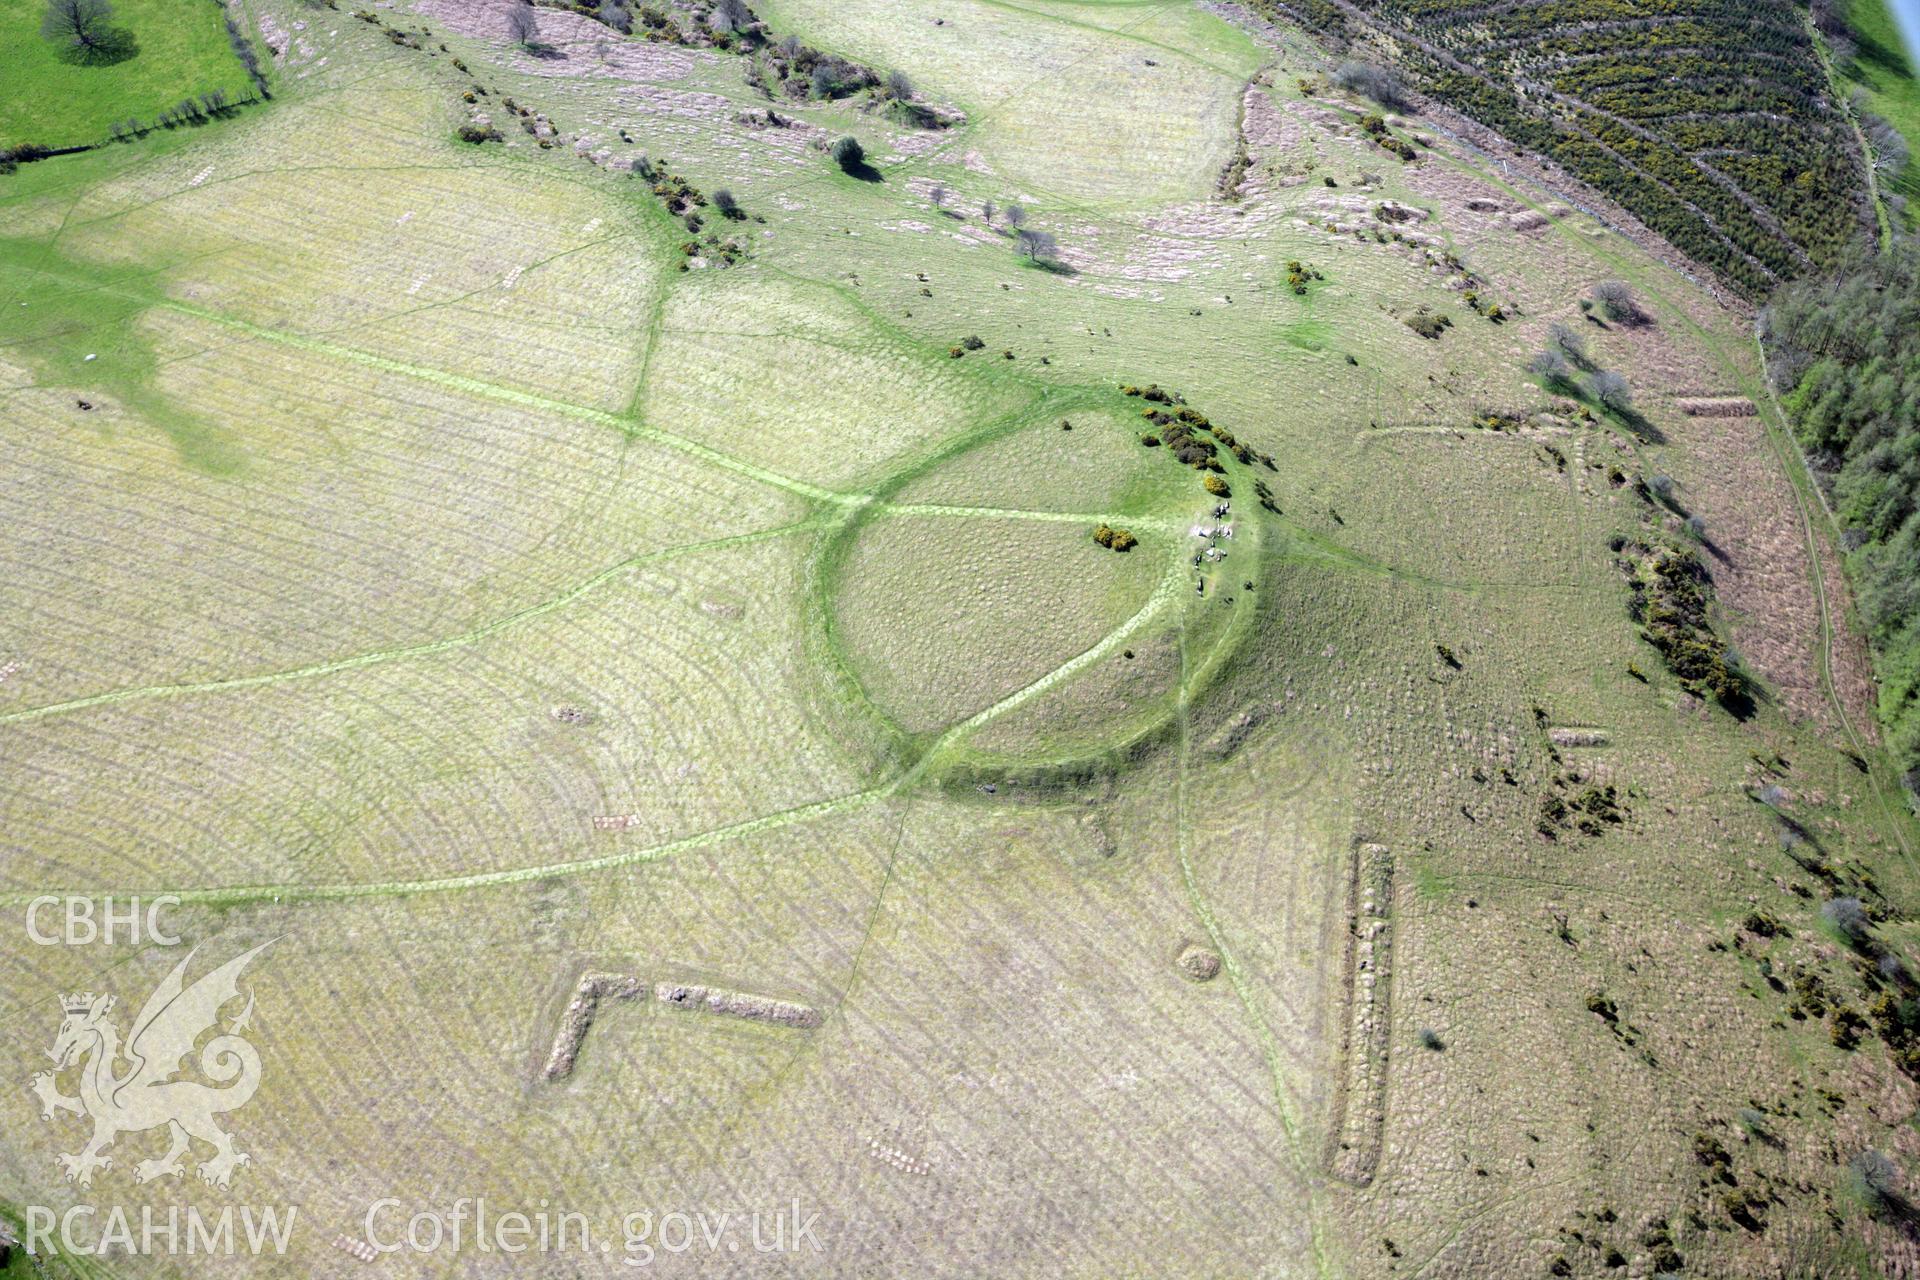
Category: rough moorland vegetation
[778,67]
[1845,351]
[1712,121]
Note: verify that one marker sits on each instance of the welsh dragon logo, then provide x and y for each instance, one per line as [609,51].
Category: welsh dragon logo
[144,1093]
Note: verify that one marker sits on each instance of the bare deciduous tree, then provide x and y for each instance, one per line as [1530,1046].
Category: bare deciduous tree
[1617,301]
[78,24]
[616,15]
[1374,82]
[1015,216]
[1889,147]
[938,194]
[1037,245]
[1611,390]
[899,86]
[522,27]
[986,210]
[1565,341]
[1551,367]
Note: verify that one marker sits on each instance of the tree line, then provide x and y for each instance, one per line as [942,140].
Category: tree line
[1844,349]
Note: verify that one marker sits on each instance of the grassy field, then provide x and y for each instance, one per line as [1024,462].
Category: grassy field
[172,49]
[410,560]
[1883,68]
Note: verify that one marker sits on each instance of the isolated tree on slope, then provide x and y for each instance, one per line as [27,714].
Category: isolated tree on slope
[1552,368]
[1565,341]
[1037,245]
[80,24]
[522,26]
[1617,301]
[1015,215]
[1611,390]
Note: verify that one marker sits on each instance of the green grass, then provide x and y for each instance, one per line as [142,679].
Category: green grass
[1884,70]
[179,50]
[77,327]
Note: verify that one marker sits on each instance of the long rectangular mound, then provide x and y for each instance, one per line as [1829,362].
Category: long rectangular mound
[736,1004]
[577,1020]
[1359,1108]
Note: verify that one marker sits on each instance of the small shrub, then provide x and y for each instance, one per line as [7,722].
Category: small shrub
[1216,486]
[479,133]
[848,153]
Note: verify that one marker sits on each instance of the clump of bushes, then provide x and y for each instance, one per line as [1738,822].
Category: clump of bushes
[1589,810]
[676,192]
[1193,440]
[1670,597]
[1115,539]
[478,133]
[1429,324]
[1299,275]
[1375,127]
[11,158]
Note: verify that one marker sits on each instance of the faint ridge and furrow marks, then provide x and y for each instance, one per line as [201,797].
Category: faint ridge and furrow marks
[1359,1107]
